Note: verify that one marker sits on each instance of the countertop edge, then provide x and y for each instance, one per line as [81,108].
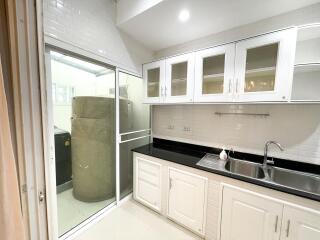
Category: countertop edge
[269,185]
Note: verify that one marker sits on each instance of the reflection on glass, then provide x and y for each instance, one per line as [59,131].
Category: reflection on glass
[134,116]
[126,165]
[261,68]
[213,74]
[153,76]
[84,123]
[179,79]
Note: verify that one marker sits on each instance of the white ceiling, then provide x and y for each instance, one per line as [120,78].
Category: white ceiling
[158,27]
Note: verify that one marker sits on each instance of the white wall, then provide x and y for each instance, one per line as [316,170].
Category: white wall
[310,14]
[127,9]
[83,83]
[82,25]
[296,127]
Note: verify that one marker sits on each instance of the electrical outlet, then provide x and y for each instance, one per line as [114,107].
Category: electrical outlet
[170,127]
[187,129]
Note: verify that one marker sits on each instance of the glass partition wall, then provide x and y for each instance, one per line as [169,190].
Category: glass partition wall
[90,174]
[134,128]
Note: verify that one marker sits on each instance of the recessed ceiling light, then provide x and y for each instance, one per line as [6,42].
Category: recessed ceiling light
[184,15]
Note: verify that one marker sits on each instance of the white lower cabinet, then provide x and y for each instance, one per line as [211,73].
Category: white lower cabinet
[148,184]
[187,196]
[300,224]
[242,214]
[247,216]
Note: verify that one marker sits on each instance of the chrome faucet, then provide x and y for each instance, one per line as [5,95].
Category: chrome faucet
[266,148]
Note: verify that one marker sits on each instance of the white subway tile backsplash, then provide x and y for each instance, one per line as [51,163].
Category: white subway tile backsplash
[296,127]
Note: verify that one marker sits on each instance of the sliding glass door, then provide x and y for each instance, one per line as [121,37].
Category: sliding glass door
[134,130]
[84,120]
[95,118]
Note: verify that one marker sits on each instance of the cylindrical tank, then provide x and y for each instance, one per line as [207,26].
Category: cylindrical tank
[93,148]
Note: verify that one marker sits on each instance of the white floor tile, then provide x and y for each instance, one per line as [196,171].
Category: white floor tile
[71,212]
[133,221]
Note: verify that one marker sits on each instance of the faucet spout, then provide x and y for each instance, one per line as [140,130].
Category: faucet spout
[266,148]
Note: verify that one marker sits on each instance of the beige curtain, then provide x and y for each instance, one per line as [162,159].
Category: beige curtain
[11,224]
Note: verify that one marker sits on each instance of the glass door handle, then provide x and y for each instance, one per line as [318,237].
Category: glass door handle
[237,85]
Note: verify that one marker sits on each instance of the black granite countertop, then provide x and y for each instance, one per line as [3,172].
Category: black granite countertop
[189,155]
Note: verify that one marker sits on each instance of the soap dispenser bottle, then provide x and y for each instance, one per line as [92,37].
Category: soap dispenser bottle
[223,155]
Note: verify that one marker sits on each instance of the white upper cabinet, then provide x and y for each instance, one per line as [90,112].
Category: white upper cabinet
[264,67]
[214,72]
[154,81]
[306,77]
[179,79]
[258,69]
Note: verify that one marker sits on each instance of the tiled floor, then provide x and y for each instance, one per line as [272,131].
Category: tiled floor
[71,211]
[133,221]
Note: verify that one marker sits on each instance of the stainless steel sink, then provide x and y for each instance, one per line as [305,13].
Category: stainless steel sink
[245,168]
[295,179]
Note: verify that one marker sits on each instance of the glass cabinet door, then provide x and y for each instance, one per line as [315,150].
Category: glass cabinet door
[261,66]
[214,74]
[154,79]
[264,67]
[179,78]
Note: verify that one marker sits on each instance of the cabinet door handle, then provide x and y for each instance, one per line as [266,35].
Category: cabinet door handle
[276,224]
[165,91]
[229,85]
[170,183]
[288,228]
[161,91]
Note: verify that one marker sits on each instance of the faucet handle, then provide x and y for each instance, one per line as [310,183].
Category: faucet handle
[270,161]
[231,149]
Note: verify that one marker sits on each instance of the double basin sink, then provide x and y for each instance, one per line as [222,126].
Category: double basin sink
[289,178]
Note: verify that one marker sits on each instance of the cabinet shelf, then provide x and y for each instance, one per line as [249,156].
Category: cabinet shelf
[178,80]
[153,84]
[306,67]
[213,78]
[260,72]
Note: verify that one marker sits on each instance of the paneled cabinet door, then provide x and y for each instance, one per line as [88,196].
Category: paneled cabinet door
[154,81]
[187,199]
[264,67]
[148,188]
[300,224]
[214,74]
[179,79]
[247,216]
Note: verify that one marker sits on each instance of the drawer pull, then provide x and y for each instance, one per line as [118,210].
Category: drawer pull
[288,229]
[276,224]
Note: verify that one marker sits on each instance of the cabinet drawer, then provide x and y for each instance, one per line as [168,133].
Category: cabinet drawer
[148,183]
[148,167]
[148,193]
[150,178]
